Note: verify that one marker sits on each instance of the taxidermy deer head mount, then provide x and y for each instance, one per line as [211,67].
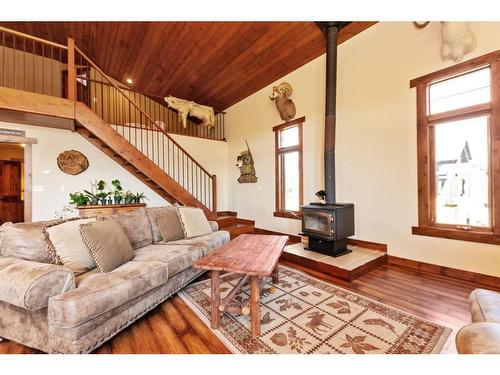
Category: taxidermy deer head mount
[281,96]
[458,39]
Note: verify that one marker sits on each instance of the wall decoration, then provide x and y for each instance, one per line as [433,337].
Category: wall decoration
[281,96]
[246,165]
[458,39]
[72,162]
[187,107]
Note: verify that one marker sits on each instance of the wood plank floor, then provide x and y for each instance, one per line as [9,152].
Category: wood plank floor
[173,328]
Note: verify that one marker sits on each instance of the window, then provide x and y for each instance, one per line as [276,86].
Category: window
[288,154]
[458,140]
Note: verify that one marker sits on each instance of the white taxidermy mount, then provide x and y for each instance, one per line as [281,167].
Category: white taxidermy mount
[458,39]
[187,107]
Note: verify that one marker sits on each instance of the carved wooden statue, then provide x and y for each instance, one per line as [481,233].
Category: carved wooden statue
[187,107]
[281,96]
[246,165]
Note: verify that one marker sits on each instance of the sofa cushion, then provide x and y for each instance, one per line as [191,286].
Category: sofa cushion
[208,242]
[152,213]
[29,285]
[66,245]
[485,306]
[136,226]
[169,225]
[479,338]
[194,222]
[25,241]
[97,293]
[176,257]
[108,244]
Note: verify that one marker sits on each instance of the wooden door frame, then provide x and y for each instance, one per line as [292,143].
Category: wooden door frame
[28,166]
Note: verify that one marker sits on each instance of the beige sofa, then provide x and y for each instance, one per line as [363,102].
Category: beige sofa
[44,306]
[482,336]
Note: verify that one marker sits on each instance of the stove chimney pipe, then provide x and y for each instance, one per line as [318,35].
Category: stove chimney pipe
[331,30]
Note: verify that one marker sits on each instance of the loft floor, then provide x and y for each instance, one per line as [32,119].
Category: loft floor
[173,328]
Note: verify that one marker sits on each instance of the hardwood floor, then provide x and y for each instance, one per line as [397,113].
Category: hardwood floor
[173,328]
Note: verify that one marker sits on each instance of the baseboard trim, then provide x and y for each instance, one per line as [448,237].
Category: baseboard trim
[486,280]
[367,244]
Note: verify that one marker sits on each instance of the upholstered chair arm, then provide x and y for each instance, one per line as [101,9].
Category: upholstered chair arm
[214,226]
[29,285]
[479,338]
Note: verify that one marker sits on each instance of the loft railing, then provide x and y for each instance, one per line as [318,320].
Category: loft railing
[32,64]
[113,104]
[157,109]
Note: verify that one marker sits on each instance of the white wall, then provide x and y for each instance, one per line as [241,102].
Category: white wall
[376,141]
[52,186]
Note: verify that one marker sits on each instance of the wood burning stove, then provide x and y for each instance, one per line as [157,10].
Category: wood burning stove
[328,224]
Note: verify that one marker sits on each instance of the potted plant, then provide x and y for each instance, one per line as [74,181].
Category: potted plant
[101,194]
[129,197]
[118,192]
[92,194]
[78,199]
[138,197]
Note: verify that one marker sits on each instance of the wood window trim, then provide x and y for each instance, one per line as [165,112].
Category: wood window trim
[28,166]
[279,212]
[425,150]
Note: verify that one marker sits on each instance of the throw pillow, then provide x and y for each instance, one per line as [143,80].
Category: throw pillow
[108,244]
[153,213]
[136,226]
[169,225]
[25,241]
[194,222]
[66,246]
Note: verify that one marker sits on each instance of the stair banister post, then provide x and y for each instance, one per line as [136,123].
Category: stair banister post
[214,194]
[71,71]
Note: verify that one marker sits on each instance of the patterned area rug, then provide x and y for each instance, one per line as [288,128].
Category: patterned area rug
[305,315]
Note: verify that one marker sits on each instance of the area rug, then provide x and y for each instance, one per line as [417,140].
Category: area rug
[302,314]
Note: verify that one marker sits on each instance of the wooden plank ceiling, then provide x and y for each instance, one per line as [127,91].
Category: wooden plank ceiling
[213,63]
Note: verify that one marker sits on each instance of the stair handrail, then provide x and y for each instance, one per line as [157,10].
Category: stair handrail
[146,115]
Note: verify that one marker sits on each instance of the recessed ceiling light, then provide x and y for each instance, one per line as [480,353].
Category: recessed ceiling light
[129,80]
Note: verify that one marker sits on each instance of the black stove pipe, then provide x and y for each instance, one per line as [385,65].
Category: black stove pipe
[331,30]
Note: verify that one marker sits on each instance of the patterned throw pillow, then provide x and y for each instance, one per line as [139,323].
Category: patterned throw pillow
[194,222]
[66,246]
[108,244]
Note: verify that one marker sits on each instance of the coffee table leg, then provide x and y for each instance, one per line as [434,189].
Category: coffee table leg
[275,275]
[254,304]
[215,322]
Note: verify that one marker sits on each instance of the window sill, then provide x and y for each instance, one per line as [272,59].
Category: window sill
[456,234]
[288,215]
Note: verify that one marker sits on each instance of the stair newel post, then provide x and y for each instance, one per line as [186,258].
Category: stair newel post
[214,194]
[71,71]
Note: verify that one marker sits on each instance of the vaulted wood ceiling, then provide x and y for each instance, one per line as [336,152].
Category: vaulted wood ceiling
[213,63]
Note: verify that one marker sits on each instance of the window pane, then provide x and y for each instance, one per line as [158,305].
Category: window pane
[290,183]
[462,91]
[289,137]
[462,188]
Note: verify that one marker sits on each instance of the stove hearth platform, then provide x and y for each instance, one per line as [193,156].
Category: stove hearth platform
[347,267]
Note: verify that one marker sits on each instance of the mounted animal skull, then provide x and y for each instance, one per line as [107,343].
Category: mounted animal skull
[187,107]
[458,39]
[281,96]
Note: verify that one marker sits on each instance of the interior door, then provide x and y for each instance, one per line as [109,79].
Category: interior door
[11,205]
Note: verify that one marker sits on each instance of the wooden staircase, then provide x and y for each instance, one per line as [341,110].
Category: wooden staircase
[228,220]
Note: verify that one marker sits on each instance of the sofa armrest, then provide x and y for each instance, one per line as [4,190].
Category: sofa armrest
[29,285]
[214,225]
[479,338]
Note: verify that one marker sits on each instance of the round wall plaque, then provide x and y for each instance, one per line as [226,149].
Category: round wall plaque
[72,162]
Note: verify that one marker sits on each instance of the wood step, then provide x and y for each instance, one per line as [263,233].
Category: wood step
[236,230]
[226,221]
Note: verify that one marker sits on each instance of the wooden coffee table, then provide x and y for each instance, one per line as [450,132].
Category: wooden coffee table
[255,257]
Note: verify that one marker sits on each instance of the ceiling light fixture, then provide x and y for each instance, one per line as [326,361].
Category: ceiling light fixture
[129,81]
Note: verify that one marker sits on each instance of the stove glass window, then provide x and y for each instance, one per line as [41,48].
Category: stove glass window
[318,222]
